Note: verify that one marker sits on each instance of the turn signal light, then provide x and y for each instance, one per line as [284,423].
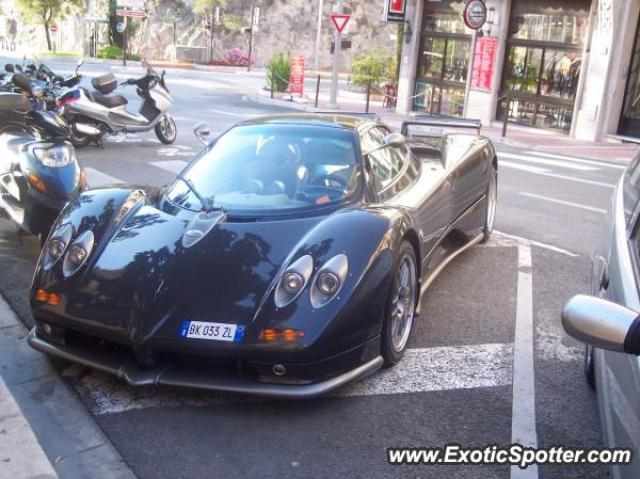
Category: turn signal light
[49,298]
[37,183]
[272,334]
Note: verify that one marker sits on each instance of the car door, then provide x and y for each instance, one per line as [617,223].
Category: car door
[618,279]
[466,160]
[397,177]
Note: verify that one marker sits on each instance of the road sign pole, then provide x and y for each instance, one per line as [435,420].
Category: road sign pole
[333,101]
[316,57]
[125,41]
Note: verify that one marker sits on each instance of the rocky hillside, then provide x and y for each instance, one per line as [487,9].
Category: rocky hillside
[284,25]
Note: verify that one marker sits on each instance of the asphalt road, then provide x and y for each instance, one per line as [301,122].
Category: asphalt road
[454,385]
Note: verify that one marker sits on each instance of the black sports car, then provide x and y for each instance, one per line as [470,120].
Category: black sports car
[287,259]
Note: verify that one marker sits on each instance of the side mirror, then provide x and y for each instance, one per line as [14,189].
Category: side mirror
[395,139]
[391,139]
[202,132]
[9,68]
[602,323]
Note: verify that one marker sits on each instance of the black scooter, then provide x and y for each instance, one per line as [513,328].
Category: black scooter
[39,171]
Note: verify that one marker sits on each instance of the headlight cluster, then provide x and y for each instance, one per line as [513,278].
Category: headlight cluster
[325,286]
[55,156]
[77,251]
[132,200]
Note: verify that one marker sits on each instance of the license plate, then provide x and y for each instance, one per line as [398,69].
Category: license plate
[213,331]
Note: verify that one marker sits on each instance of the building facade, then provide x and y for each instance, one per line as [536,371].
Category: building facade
[565,65]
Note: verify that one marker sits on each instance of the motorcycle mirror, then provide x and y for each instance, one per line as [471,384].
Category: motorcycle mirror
[19,68]
[9,68]
[80,63]
[202,132]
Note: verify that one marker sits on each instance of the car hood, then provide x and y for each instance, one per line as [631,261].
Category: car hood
[142,281]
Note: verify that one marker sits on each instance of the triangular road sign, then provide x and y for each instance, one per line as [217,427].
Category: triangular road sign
[340,21]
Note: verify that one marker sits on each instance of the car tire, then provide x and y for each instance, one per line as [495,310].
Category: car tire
[166,129]
[400,309]
[490,208]
[590,366]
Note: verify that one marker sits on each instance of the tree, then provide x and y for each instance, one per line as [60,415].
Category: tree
[46,11]
[205,6]
[370,69]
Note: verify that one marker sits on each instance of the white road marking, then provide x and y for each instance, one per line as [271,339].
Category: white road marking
[174,166]
[602,163]
[439,369]
[239,115]
[548,162]
[421,370]
[523,418]
[175,150]
[98,178]
[545,172]
[539,244]
[563,202]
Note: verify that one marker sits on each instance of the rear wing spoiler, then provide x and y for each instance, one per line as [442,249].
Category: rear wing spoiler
[440,123]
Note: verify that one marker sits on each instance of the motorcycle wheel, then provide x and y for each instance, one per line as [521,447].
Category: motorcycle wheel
[166,130]
[79,140]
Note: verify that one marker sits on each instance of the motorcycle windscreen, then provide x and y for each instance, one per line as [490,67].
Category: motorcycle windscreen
[62,181]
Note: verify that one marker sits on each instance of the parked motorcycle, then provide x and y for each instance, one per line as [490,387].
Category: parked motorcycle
[109,113]
[39,171]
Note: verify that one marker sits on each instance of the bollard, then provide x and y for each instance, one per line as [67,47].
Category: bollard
[506,116]
[272,81]
[317,91]
[368,96]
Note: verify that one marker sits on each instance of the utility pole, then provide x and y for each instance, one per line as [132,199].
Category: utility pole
[316,57]
[337,41]
[125,41]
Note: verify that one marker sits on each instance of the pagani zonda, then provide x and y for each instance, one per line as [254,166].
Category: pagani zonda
[287,259]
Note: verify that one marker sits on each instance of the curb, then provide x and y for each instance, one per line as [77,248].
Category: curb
[20,453]
[67,434]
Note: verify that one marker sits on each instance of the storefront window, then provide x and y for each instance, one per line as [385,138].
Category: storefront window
[543,61]
[443,63]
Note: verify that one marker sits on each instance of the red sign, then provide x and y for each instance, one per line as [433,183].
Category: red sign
[394,10]
[340,21]
[130,13]
[484,59]
[53,28]
[296,75]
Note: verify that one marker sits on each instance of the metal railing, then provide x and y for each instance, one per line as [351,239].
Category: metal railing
[561,103]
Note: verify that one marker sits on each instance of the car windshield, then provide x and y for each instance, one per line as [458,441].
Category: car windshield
[273,168]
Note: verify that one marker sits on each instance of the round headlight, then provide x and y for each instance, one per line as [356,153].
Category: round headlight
[328,283]
[292,282]
[77,254]
[56,248]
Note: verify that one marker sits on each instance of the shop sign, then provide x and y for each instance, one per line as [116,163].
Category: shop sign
[296,75]
[484,59]
[394,10]
[475,14]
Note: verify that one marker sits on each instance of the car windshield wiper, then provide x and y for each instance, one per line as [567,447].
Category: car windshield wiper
[207,203]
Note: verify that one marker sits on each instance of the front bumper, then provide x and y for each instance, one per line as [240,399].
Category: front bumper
[178,375]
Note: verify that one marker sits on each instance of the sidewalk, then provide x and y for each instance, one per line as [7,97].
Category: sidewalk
[20,453]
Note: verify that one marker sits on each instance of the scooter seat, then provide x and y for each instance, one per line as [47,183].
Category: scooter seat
[110,101]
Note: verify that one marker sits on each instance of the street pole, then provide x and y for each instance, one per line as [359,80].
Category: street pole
[337,41]
[175,51]
[125,41]
[316,57]
[213,21]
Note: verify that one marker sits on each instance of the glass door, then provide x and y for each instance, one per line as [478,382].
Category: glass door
[630,118]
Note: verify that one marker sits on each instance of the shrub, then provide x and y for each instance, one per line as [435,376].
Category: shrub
[237,57]
[278,69]
[114,52]
[370,68]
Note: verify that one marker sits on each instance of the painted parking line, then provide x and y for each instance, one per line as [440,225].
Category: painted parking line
[563,202]
[601,164]
[548,162]
[98,178]
[545,172]
[421,370]
[174,166]
[523,416]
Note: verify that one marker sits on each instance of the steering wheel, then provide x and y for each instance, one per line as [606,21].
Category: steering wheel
[334,182]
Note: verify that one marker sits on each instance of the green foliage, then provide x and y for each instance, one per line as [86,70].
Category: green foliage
[278,69]
[114,52]
[46,11]
[372,68]
[232,22]
[204,6]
